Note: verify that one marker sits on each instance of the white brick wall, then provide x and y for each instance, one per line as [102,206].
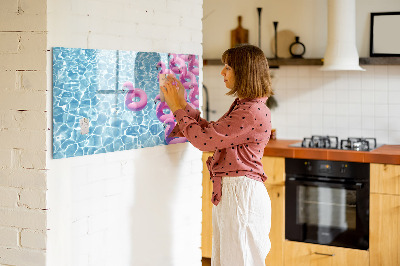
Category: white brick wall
[22,256]
[33,239]
[9,237]
[23,43]
[138,207]
[8,197]
[23,178]
[100,206]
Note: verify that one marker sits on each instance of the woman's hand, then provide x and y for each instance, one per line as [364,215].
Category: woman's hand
[174,93]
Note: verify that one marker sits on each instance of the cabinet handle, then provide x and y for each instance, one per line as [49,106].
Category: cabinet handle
[324,254]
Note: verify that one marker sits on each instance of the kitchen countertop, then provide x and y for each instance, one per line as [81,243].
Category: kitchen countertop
[389,154]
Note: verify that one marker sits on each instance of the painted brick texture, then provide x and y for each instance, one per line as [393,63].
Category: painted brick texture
[33,239]
[96,198]
[119,208]
[23,126]
[9,237]
[138,207]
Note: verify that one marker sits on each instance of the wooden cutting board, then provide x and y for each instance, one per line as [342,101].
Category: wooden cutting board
[239,35]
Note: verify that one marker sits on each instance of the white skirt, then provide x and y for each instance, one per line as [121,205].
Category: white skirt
[241,223]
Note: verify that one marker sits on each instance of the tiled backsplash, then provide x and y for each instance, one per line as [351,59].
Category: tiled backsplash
[313,102]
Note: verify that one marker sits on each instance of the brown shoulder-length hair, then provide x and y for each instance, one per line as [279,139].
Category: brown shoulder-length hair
[250,66]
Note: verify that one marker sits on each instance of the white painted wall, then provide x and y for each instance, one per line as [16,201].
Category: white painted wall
[311,102]
[305,18]
[23,133]
[137,207]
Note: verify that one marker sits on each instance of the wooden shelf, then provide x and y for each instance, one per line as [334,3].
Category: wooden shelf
[380,61]
[212,62]
[273,62]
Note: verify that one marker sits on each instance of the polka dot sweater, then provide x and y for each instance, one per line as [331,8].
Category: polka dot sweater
[238,139]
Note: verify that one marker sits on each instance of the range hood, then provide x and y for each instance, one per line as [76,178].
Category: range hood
[341,51]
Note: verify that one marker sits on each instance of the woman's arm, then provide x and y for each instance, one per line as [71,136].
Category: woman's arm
[238,128]
[174,93]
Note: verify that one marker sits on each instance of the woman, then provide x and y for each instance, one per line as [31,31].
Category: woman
[242,211]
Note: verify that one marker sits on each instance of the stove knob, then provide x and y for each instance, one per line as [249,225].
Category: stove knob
[308,166]
[343,168]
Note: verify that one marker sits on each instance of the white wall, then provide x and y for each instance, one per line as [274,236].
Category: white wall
[304,18]
[137,207]
[23,133]
[311,102]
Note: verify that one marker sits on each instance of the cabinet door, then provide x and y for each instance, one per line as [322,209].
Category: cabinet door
[384,230]
[206,232]
[277,233]
[304,254]
[274,168]
[385,178]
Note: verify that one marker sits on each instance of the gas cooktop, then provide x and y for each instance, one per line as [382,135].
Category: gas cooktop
[332,142]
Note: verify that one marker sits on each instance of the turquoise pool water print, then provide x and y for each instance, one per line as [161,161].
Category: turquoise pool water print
[108,100]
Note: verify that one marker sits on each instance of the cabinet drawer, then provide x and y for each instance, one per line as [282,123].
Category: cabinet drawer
[304,254]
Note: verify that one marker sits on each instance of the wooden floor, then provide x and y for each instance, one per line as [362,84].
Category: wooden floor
[206,261]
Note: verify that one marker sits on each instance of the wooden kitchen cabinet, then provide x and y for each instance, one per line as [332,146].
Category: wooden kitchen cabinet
[384,237]
[385,178]
[274,168]
[305,254]
[206,225]
[277,233]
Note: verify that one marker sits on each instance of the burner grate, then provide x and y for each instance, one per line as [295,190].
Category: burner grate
[327,142]
[332,142]
[358,144]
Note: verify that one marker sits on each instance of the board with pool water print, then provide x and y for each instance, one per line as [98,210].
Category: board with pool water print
[109,100]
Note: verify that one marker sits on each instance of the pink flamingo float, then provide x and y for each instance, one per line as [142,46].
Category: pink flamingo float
[160,110]
[193,65]
[130,102]
[163,69]
[185,68]
[184,57]
[188,79]
[193,96]
[170,126]
[177,64]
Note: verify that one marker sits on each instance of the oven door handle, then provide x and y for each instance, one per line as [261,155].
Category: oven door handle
[357,185]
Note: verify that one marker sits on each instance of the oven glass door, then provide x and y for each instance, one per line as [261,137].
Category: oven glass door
[326,207]
[326,213]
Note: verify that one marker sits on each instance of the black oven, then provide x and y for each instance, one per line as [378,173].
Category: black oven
[327,202]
